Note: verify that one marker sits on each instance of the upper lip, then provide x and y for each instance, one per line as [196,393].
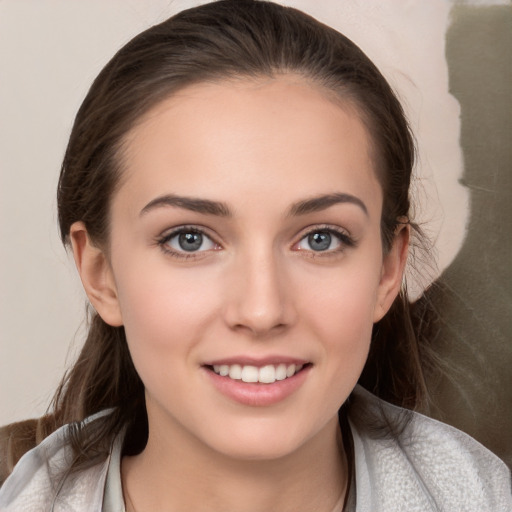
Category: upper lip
[257,361]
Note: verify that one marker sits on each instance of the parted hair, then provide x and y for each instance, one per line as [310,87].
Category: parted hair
[214,42]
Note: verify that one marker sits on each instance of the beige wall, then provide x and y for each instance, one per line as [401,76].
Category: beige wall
[50,50]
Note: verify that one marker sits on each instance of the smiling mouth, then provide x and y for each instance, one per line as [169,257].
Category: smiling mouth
[267,374]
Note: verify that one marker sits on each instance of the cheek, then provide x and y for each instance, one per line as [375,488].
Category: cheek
[346,323]
[347,296]
[165,310]
[340,310]
[167,314]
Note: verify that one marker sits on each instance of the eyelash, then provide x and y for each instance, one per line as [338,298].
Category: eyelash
[163,242]
[345,240]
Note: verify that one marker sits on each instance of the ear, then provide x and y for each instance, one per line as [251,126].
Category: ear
[96,275]
[393,267]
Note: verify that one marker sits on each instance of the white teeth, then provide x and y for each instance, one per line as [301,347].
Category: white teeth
[250,374]
[235,372]
[281,372]
[290,370]
[267,374]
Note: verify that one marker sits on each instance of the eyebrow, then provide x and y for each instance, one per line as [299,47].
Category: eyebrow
[205,206]
[209,207]
[319,203]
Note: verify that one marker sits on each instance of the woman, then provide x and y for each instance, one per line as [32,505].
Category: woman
[236,195]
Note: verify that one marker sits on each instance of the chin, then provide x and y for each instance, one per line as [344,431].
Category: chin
[264,440]
[268,449]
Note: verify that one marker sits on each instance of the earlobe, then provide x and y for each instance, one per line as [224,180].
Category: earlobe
[96,275]
[393,268]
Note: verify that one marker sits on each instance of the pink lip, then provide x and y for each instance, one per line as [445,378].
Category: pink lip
[257,361]
[257,394]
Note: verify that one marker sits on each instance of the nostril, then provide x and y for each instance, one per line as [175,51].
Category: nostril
[259,329]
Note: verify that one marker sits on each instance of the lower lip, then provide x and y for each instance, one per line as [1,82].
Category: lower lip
[257,394]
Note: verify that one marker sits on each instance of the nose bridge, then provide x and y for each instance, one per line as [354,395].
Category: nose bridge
[259,301]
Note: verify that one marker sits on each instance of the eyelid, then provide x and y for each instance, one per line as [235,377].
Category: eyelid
[345,238]
[163,239]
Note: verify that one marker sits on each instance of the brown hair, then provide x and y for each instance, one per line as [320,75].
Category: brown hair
[216,41]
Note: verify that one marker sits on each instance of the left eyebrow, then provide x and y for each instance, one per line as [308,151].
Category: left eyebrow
[204,206]
[319,203]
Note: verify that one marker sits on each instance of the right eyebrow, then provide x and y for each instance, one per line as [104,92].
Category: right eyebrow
[322,202]
[204,206]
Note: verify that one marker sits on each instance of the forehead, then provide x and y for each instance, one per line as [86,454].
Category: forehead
[250,136]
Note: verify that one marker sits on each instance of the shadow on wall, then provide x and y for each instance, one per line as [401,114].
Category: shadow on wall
[473,296]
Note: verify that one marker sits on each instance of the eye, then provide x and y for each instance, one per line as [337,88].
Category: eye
[319,241]
[325,240]
[187,240]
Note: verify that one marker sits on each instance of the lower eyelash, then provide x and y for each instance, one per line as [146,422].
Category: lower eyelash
[162,242]
[345,239]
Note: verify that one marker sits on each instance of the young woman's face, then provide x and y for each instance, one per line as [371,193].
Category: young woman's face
[246,246]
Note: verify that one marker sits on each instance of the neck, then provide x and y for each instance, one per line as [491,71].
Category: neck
[176,476]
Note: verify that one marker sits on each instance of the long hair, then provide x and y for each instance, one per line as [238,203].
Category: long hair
[214,42]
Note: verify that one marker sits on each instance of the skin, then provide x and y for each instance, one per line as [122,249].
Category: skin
[255,289]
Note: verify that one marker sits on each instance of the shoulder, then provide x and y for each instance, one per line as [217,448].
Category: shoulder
[425,466]
[37,483]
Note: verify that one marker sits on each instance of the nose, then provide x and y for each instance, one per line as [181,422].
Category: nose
[260,296]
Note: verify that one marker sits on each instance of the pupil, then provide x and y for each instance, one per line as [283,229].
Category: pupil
[319,241]
[190,241]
